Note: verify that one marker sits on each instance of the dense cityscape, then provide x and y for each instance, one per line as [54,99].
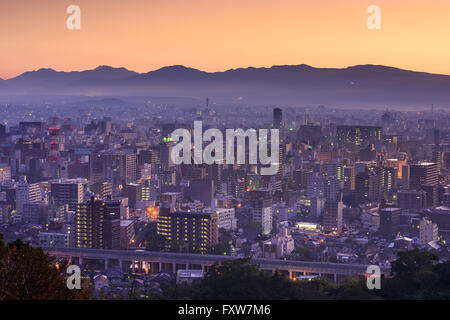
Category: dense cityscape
[352,189]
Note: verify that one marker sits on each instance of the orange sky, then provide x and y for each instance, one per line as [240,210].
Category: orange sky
[213,35]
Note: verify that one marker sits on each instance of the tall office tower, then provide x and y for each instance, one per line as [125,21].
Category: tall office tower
[349,179]
[299,179]
[118,167]
[335,169]
[260,204]
[412,200]
[98,224]
[26,192]
[97,168]
[2,133]
[102,190]
[215,173]
[280,173]
[149,156]
[193,232]
[89,229]
[389,178]
[314,184]
[405,176]
[439,158]
[432,195]
[333,215]
[147,191]
[277,118]
[368,185]
[331,189]
[428,231]
[389,222]
[5,172]
[165,158]
[446,200]
[377,187]
[363,187]
[111,224]
[67,192]
[423,173]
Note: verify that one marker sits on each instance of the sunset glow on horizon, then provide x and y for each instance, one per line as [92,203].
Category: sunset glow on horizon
[144,35]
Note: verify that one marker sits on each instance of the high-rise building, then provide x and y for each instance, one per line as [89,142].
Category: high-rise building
[102,190]
[405,176]
[26,192]
[118,167]
[2,133]
[349,179]
[432,195]
[446,200]
[333,215]
[67,192]
[227,219]
[428,231]
[331,189]
[412,200]
[260,204]
[389,178]
[192,231]
[35,212]
[423,173]
[277,118]
[111,224]
[98,224]
[5,172]
[90,217]
[389,222]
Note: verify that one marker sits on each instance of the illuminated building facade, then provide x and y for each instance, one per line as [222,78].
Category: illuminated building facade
[193,232]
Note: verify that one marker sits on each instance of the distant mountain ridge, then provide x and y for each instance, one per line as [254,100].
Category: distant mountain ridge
[360,85]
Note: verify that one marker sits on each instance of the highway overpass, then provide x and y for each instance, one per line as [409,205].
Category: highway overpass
[154,262]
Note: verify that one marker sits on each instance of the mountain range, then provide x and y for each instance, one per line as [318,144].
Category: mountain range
[356,86]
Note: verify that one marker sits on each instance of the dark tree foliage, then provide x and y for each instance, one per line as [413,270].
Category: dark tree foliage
[241,279]
[417,275]
[27,273]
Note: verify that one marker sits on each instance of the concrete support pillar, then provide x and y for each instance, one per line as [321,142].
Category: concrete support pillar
[335,278]
[106,264]
[120,265]
[174,268]
[80,261]
[290,274]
